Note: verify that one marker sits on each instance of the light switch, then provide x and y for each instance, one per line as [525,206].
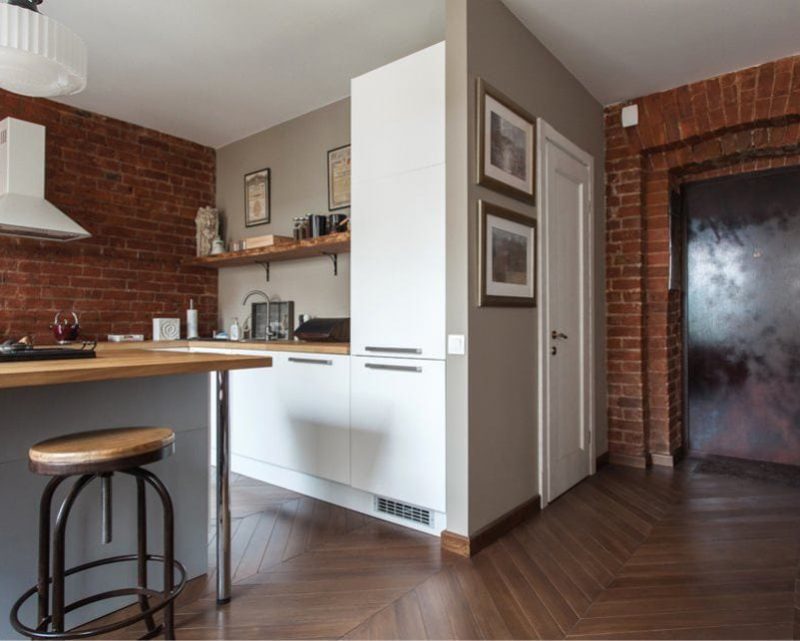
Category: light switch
[456,344]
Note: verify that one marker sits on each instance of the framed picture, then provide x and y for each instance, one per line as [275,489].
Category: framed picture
[257,198]
[506,257]
[506,141]
[339,178]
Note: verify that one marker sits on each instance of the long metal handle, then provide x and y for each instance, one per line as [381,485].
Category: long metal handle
[394,350]
[223,491]
[310,361]
[393,368]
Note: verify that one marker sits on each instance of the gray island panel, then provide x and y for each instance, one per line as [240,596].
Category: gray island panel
[31,414]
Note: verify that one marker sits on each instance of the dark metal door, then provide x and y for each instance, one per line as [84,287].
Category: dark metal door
[743,308]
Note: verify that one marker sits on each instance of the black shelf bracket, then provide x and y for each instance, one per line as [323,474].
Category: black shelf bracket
[335,260]
[265,265]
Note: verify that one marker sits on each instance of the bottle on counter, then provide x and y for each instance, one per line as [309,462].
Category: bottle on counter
[191,320]
[235,331]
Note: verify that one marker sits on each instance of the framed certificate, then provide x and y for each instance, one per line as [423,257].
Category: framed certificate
[339,178]
[257,198]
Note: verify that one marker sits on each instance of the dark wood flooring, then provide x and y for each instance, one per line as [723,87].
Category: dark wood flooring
[627,554]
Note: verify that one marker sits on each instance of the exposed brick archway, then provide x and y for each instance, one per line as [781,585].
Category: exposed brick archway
[739,122]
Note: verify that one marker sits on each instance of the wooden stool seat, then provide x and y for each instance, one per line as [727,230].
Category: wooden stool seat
[101,451]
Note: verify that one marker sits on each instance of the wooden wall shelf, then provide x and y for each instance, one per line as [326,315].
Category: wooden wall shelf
[330,245]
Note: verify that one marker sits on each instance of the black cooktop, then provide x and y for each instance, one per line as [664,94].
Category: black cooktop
[19,352]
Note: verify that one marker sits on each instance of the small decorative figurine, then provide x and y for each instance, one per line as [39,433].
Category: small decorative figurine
[207,222]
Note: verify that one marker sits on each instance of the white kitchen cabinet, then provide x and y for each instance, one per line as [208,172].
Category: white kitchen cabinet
[398,429]
[254,410]
[295,414]
[314,433]
[398,116]
[397,265]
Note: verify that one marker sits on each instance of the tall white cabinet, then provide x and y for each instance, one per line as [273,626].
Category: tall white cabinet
[397,438]
[367,430]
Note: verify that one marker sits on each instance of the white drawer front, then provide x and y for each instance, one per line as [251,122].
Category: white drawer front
[297,415]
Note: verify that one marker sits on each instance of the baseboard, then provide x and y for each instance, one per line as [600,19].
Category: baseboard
[345,496]
[640,461]
[456,543]
[602,460]
[668,460]
[471,545]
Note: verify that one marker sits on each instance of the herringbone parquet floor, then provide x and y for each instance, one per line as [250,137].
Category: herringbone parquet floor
[626,554]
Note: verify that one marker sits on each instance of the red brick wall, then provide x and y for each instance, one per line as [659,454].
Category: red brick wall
[743,121]
[137,191]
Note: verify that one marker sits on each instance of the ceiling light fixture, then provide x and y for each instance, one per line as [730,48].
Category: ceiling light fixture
[38,56]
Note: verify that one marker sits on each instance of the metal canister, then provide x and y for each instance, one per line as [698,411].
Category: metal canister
[318,225]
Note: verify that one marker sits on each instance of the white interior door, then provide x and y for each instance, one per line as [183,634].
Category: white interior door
[565,312]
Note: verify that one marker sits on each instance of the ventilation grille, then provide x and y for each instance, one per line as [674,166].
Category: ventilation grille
[403,511]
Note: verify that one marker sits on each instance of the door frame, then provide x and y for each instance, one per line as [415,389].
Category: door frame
[546,133]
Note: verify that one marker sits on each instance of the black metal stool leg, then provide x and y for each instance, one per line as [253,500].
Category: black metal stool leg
[141,524]
[169,553]
[43,582]
[58,550]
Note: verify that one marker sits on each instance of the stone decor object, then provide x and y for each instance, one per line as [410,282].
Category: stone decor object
[207,222]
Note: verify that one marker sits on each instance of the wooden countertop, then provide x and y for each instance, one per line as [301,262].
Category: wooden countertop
[112,364]
[263,346]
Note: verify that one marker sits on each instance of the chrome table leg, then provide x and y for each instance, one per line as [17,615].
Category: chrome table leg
[223,491]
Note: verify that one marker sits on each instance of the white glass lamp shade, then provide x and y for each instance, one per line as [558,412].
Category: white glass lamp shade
[38,56]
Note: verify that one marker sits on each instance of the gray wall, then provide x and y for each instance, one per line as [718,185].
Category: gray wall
[296,153]
[501,383]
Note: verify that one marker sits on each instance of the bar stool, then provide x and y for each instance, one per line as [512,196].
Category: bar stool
[99,455]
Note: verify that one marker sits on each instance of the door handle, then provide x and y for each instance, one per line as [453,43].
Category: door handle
[309,361]
[393,368]
[556,335]
[394,350]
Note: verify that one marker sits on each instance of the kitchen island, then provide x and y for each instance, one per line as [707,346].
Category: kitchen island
[120,387]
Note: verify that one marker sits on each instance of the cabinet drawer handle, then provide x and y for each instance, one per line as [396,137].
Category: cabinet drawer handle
[395,350]
[310,361]
[393,368]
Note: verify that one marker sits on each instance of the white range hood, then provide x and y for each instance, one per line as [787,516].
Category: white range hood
[23,209]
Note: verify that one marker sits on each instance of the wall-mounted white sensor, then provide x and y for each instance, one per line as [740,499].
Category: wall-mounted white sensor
[630,116]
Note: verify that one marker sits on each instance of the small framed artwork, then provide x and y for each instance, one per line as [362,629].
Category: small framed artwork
[257,198]
[506,257]
[339,178]
[506,140]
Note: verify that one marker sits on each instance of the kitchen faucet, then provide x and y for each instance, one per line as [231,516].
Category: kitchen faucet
[267,300]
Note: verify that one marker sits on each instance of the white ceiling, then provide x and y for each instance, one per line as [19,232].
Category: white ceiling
[623,49]
[215,71]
